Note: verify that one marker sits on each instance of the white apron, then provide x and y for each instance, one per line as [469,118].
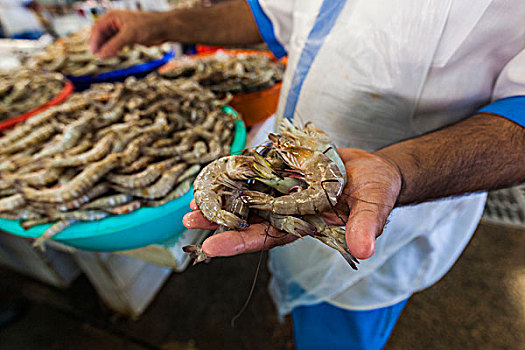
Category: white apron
[371,73]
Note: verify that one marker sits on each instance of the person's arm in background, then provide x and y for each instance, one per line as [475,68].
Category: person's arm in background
[482,152]
[226,23]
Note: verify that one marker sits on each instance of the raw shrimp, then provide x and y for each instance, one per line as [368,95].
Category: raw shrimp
[332,236]
[78,185]
[177,192]
[125,208]
[159,188]
[96,191]
[52,231]
[101,149]
[145,177]
[213,179]
[234,205]
[38,178]
[35,137]
[27,224]
[109,201]
[325,185]
[69,136]
[12,202]
[137,165]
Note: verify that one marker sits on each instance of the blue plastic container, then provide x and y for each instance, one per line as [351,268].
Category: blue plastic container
[83,82]
[129,231]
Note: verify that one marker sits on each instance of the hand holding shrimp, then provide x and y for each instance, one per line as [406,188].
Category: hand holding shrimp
[290,182]
[371,180]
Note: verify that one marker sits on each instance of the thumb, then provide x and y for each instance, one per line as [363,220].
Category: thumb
[116,43]
[365,223]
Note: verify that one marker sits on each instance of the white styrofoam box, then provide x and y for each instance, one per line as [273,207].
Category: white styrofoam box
[125,284]
[128,281]
[506,207]
[16,19]
[53,266]
[145,287]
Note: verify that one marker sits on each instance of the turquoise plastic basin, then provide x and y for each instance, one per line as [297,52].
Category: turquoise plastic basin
[134,230]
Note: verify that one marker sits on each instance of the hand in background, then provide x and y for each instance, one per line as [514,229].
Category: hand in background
[372,188]
[120,28]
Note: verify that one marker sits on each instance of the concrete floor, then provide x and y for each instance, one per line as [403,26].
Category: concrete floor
[480,304]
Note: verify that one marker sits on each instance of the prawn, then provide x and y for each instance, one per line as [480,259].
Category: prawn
[125,208]
[213,179]
[35,137]
[101,148]
[77,186]
[137,165]
[68,138]
[52,231]
[177,192]
[145,177]
[322,176]
[109,201]
[37,178]
[159,188]
[96,191]
[12,202]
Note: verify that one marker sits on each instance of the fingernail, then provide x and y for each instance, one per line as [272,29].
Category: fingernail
[188,221]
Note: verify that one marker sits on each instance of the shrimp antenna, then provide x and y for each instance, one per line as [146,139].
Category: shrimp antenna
[254,281]
[243,151]
[352,260]
[332,206]
[365,201]
[334,209]
[298,119]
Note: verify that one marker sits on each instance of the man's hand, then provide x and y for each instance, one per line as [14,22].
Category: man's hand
[370,194]
[199,25]
[120,28]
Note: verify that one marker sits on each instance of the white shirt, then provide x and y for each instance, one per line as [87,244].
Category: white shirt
[386,71]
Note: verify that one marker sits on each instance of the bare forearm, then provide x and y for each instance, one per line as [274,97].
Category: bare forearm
[226,23]
[482,152]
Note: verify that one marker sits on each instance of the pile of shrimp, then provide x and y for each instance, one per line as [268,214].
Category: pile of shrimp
[72,56]
[230,73]
[25,89]
[288,181]
[110,150]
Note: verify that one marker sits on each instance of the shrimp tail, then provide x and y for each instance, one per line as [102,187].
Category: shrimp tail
[40,243]
[290,224]
[196,253]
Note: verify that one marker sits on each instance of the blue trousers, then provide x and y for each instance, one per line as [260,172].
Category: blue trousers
[327,327]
